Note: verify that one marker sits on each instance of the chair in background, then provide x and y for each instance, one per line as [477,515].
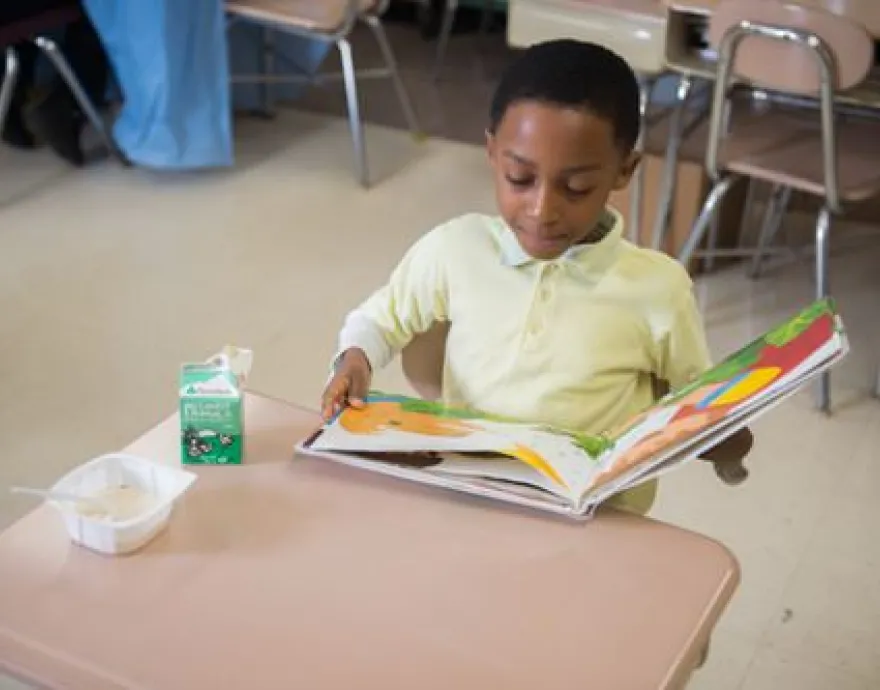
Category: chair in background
[450,9]
[634,29]
[422,361]
[331,21]
[795,50]
[33,30]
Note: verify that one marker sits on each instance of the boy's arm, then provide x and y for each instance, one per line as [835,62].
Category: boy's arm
[414,298]
[684,354]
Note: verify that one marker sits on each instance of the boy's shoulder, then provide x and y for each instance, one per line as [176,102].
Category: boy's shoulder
[471,225]
[656,271]
[467,233]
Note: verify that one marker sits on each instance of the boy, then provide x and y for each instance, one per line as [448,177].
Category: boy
[553,317]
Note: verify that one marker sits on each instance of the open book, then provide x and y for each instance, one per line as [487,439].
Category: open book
[570,473]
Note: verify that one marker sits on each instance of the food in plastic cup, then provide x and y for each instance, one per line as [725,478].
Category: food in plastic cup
[127,501]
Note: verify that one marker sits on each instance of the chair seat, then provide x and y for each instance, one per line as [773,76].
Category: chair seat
[636,29]
[28,28]
[784,146]
[315,16]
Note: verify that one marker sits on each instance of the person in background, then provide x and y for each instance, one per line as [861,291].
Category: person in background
[56,118]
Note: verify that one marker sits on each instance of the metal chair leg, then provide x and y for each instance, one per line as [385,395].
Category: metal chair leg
[51,50]
[773,217]
[667,190]
[9,82]
[637,186]
[748,211]
[449,12]
[355,123]
[712,242]
[710,206]
[409,112]
[823,251]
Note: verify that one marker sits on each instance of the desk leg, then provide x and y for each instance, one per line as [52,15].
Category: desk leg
[667,189]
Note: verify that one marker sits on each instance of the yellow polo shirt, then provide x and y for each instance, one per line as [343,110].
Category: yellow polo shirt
[572,342]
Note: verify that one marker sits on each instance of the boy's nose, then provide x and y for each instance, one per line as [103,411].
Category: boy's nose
[544,206]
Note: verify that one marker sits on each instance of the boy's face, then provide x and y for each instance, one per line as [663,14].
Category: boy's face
[554,170]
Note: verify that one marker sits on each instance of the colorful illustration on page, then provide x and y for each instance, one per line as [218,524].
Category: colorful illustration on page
[407,415]
[738,379]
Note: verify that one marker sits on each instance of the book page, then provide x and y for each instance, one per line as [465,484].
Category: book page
[783,358]
[397,424]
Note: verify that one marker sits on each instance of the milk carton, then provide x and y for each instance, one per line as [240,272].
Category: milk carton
[212,409]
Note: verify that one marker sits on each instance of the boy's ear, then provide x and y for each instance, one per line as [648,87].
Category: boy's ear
[490,145]
[627,169]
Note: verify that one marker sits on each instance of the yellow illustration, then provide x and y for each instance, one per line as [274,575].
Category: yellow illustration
[747,386]
[536,462]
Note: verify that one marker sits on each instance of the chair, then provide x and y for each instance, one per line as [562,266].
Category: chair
[635,29]
[32,29]
[331,21]
[801,51]
[422,361]
[450,9]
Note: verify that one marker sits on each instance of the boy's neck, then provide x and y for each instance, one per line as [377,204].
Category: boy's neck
[600,230]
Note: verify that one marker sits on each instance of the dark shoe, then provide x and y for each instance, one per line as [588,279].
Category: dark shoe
[57,121]
[16,134]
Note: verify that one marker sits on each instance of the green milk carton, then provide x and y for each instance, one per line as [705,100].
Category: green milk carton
[212,410]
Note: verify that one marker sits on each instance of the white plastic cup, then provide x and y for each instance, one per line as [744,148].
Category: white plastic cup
[165,484]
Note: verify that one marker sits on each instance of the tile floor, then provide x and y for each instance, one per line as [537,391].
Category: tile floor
[110,278]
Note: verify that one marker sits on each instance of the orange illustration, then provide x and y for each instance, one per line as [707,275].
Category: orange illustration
[384,416]
[677,430]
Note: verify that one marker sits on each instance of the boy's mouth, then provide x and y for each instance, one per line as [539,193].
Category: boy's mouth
[540,245]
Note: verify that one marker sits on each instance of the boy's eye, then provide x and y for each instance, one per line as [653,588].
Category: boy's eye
[579,192]
[520,180]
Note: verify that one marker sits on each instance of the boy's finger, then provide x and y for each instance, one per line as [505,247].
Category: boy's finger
[334,395]
[357,392]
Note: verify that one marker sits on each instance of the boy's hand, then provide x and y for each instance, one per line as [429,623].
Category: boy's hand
[349,385]
[727,457]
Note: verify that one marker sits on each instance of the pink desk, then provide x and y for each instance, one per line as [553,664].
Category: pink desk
[288,573]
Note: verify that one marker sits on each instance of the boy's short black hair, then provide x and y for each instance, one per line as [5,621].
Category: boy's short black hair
[577,75]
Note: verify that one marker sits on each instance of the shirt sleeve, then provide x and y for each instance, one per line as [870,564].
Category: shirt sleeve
[414,298]
[683,350]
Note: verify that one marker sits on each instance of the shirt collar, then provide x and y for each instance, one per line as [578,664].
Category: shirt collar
[595,257]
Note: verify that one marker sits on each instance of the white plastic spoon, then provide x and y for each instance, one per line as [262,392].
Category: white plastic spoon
[53,495]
